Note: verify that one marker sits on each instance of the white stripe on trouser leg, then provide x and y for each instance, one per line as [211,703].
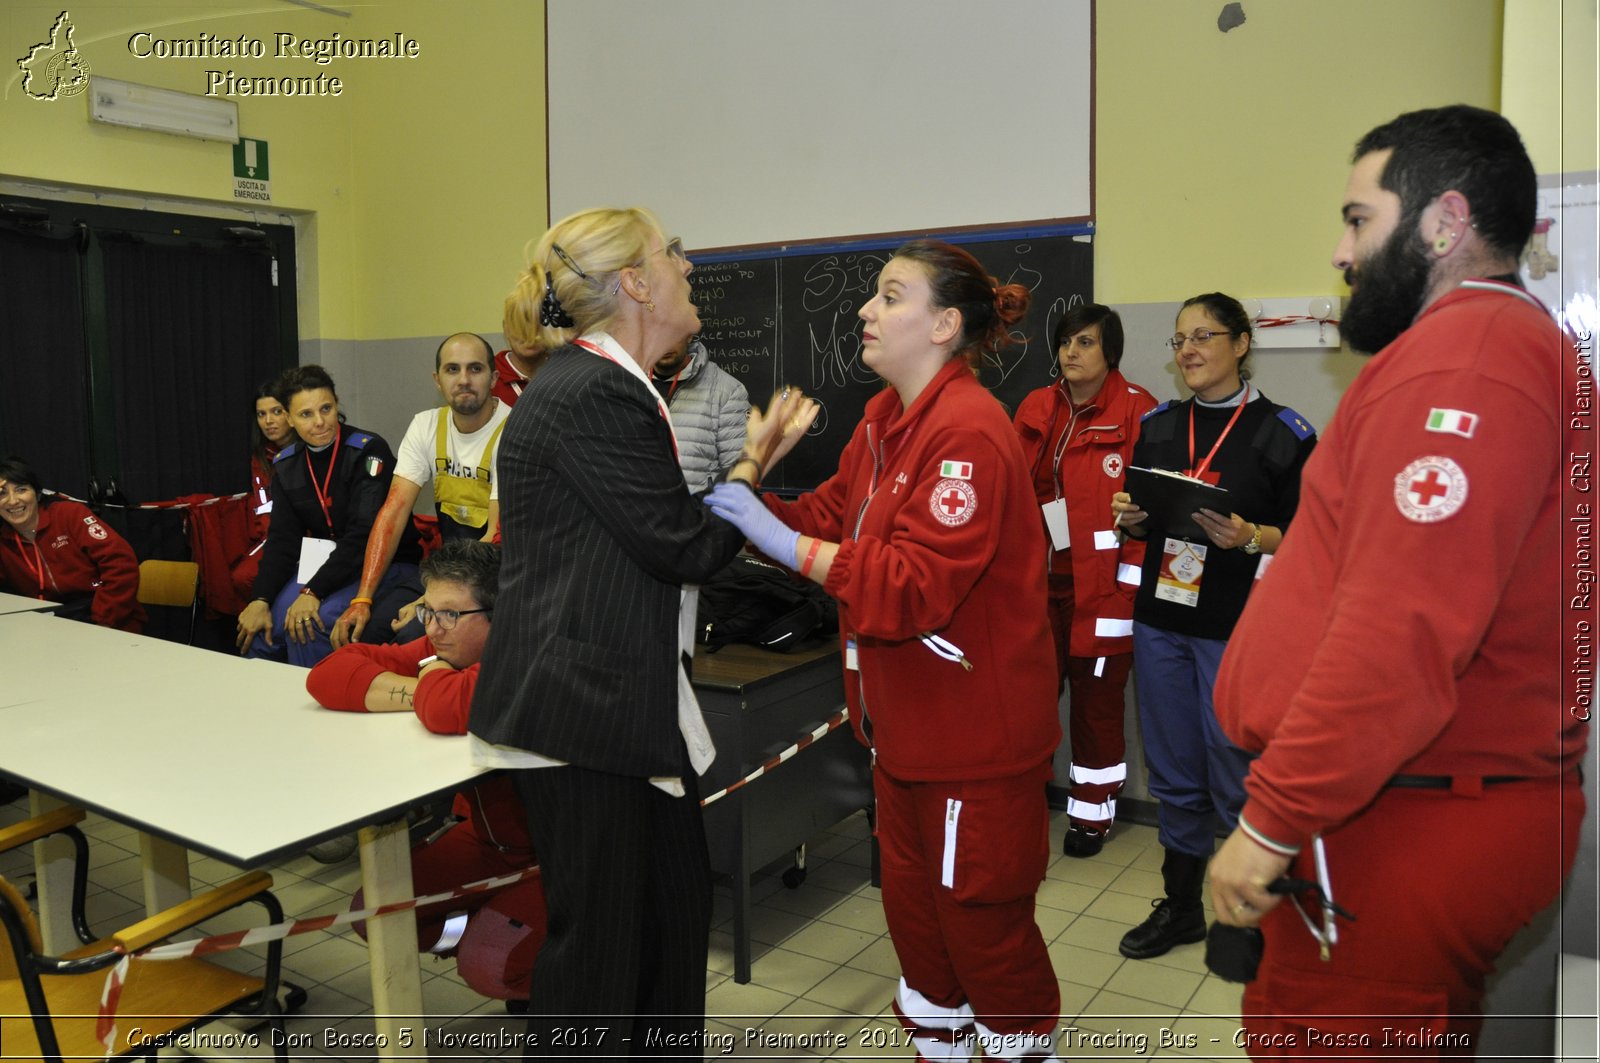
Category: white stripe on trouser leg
[1262,561]
[1016,1046]
[1089,812]
[1117,773]
[1128,574]
[1099,667]
[1111,628]
[939,1033]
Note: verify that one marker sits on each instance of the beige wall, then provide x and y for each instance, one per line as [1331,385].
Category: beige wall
[1221,157]
[1550,83]
[413,197]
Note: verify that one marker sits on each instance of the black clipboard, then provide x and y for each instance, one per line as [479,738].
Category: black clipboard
[1171,498]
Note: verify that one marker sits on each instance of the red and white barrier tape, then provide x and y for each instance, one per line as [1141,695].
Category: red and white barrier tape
[833,723]
[106,1024]
[153,505]
[1294,319]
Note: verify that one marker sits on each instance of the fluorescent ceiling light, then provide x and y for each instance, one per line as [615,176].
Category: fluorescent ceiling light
[163,110]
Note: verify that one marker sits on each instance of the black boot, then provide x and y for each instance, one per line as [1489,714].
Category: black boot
[1178,918]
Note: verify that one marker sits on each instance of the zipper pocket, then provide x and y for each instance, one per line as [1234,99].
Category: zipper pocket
[952,818]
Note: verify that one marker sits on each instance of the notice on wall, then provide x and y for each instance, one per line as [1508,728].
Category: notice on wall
[251,178]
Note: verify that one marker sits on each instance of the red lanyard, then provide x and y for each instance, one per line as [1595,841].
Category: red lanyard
[661,407]
[323,497]
[38,573]
[673,388]
[1200,473]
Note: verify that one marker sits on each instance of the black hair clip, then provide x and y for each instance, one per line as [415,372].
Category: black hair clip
[563,256]
[551,313]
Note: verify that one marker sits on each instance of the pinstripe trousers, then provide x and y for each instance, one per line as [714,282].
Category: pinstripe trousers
[627,881]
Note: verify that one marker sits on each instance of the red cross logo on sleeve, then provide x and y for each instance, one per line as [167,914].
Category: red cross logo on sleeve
[953,502]
[1430,489]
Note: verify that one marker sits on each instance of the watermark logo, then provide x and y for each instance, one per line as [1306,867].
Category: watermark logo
[55,69]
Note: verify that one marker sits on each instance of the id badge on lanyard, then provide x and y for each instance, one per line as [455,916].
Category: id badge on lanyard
[1182,566]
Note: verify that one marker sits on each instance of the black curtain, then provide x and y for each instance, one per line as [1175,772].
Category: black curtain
[44,381]
[192,329]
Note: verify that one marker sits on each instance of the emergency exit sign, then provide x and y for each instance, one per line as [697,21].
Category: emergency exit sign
[251,178]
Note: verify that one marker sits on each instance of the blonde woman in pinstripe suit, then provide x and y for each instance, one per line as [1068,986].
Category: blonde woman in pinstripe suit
[584,693]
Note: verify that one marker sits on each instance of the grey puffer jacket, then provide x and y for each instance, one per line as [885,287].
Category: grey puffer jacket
[709,407]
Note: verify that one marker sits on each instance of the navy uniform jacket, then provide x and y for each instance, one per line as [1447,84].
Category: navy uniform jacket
[363,467]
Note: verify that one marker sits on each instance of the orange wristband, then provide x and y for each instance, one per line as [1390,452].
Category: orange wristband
[811,556]
[360,601]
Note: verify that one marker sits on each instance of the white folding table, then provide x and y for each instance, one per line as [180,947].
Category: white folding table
[208,752]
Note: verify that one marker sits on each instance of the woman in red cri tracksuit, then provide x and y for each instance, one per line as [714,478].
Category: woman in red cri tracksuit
[929,538]
[1078,434]
[57,550]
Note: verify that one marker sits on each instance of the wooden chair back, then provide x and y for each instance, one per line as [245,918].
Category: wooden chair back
[168,582]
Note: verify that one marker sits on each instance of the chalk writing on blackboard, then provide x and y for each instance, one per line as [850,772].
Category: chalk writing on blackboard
[792,319]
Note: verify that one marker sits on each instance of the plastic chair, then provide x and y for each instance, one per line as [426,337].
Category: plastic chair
[171,583]
[49,1004]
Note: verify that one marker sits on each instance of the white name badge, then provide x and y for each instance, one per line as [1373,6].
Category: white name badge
[313,554]
[1055,520]
[1182,566]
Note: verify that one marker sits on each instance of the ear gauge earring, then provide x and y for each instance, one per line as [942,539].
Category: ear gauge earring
[1442,244]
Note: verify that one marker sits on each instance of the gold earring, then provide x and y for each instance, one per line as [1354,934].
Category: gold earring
[650,306]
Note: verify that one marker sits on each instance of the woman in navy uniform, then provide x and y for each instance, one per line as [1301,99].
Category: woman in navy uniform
[328,486]
[1193,588]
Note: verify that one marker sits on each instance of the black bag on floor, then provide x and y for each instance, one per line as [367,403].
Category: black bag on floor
[762,604]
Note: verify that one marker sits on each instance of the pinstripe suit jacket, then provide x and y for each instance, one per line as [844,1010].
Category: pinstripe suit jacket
[598,534]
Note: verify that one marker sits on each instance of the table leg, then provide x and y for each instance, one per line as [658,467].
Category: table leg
[166,873]
[52,868]
[392,940]
[741,896]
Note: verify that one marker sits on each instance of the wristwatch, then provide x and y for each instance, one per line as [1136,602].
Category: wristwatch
[1254,545]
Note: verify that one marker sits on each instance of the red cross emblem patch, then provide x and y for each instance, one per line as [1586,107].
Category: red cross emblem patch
[1430,489]
[953,502]
[1112,464]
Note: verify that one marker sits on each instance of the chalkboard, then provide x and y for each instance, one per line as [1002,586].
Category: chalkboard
[777,318]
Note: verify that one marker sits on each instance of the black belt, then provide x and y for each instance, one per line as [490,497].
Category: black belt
[1449,782]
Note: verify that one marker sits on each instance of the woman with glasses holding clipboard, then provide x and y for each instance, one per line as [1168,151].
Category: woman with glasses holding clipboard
[1193,587]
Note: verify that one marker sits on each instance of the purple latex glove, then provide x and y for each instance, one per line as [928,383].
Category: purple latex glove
[739,506]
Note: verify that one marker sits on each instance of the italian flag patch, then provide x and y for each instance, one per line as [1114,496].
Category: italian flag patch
[1456,422]
[374,465]
[956,470]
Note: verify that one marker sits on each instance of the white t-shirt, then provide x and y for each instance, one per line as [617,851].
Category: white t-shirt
[463,450]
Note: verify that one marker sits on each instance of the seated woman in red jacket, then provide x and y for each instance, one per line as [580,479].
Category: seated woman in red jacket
[435,677]
[57,550]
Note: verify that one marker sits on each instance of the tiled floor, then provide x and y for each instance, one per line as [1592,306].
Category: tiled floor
[823,975]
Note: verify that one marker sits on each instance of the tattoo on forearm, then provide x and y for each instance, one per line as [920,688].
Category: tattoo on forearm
[402,695]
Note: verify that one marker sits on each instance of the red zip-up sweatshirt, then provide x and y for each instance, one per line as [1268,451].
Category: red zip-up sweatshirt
[940,536]
[74,554]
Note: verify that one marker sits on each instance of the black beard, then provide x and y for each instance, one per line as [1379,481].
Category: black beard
[1387,290]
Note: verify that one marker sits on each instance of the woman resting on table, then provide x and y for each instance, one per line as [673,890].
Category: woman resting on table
[326,490]
[269,433]
[1078,434]
[930,539]
[584,694]
[57,550]
[435,677]
[1193,589]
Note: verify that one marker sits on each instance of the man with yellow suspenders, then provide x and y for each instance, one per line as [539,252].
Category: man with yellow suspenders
[455,453]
